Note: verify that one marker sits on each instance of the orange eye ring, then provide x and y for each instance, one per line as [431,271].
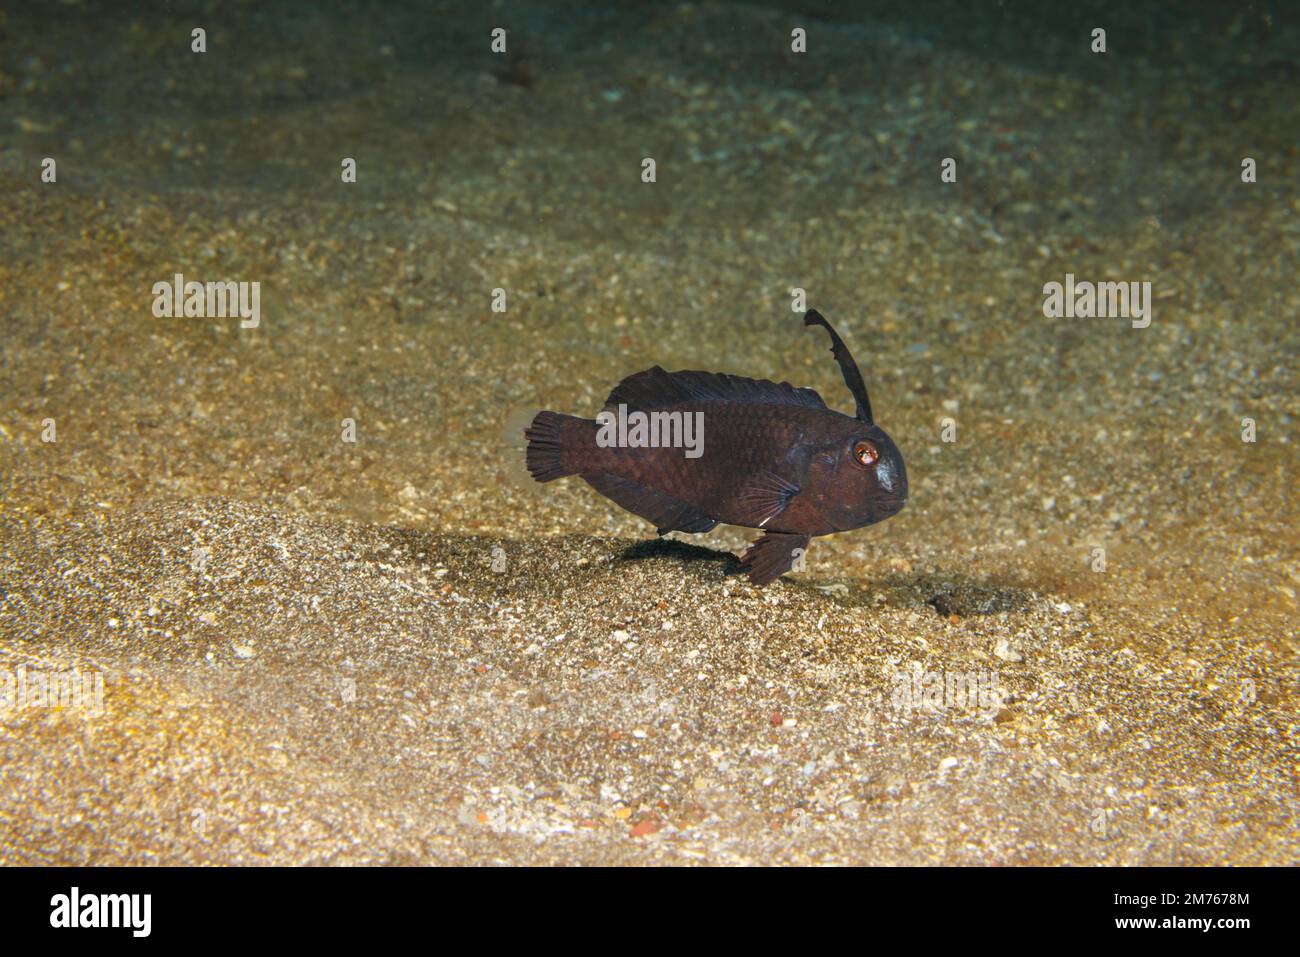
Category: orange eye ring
[866,453]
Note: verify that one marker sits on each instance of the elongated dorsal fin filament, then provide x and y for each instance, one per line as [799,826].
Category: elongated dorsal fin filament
[849,368]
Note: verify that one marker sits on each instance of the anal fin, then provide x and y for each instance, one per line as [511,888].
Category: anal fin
[668,514]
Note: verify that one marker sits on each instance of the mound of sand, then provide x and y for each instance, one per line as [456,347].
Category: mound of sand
[282,690]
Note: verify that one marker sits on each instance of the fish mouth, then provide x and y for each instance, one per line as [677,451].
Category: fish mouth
[888,507]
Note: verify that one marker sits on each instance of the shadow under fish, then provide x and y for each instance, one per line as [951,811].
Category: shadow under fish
[689,450]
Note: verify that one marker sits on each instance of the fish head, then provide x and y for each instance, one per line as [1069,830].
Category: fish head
[861,479]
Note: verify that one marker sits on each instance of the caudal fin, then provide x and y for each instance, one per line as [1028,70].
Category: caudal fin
[545,455]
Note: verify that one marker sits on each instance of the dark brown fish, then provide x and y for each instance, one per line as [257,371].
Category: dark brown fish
[687,450]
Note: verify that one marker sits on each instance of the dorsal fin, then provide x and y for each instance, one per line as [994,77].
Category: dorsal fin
[656,389]
[848,368]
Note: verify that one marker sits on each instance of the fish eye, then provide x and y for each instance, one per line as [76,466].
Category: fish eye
[866,453]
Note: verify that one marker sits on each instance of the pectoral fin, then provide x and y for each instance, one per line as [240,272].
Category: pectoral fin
[773,555]
[764,497]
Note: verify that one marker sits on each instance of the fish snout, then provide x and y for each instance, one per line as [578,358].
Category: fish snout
[893,484]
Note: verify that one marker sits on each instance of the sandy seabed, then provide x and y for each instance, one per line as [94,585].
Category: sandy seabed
[400,650]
